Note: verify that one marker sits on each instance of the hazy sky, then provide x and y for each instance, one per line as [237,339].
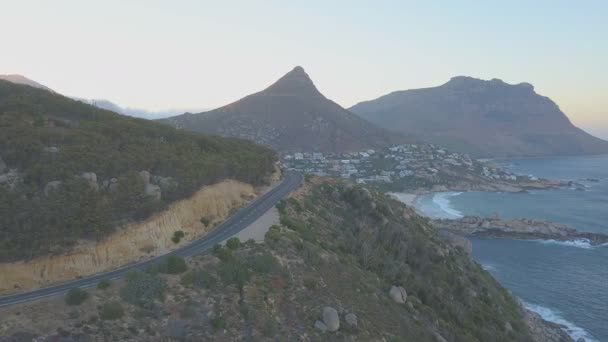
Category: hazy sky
[188,54]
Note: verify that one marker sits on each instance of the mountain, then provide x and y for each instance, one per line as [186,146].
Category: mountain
[483,118]
[71,171]
[135,112]
[290,115]
[19,79]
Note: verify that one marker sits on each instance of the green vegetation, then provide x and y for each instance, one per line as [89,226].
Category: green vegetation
[76,296]
[143,289]
[234,272]
[104,284]
[218,323]
[265,263]
[51,138]
[177,236]
[206,221]
[233,243]
[222,253]
[172,264]
[111,311]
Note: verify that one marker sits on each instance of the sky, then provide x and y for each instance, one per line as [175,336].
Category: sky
[205,54]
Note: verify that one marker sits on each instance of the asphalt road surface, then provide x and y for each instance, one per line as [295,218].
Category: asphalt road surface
[234,224]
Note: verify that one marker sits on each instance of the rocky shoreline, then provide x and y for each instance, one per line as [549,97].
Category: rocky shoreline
[517,229]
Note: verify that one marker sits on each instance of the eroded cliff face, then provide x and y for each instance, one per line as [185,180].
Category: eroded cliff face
[132,242]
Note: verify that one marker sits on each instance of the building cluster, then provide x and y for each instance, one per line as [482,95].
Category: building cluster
[427,162]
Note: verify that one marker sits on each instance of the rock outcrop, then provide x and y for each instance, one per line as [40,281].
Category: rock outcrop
[398,294]
[517,228]
[544,331]
[2,166]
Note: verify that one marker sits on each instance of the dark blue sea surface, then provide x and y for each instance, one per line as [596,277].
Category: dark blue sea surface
[566,282]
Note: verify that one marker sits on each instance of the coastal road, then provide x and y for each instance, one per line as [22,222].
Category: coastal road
[234,224]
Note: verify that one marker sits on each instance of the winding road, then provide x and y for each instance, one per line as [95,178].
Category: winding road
[234,224]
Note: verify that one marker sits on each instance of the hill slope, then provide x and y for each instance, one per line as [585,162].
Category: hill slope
[69,170]
[338,247]
[290,115]
[484,118]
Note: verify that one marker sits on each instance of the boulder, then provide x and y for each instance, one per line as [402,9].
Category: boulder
[50,149]
[153,191]
[91,179]
[331,318]
[320,326]
[351,319]
[2,165]
[51,186]
[398,294]
[176,329]
[145,176]
[113,186]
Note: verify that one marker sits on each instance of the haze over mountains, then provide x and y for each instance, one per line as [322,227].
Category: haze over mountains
[104,104]
[136,112]
[290,115]
[483,118]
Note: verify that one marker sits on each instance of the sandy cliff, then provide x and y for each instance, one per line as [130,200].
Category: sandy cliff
[131,242]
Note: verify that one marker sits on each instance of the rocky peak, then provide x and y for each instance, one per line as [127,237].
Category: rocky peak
[295,82]
[470,82]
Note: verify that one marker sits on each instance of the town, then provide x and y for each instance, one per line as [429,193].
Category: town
[405,165]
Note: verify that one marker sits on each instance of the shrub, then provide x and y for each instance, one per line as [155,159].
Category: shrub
[111,311]
[205,221]
[176,265]
[177,236]
[76,296]
[218,323]
[233,243]
[104,284]
[234,272]
[270,328]
[224,254]
[265,263]
[172,264]
[273,234]
[142,289]
[201,279]
[311,283]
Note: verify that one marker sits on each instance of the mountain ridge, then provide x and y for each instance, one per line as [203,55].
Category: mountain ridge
[484,118]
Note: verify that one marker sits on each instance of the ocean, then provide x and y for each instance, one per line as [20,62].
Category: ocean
[565,282]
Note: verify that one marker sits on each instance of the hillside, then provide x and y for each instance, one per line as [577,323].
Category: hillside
[483,118]
[346,264]
[70,171]
[290,115]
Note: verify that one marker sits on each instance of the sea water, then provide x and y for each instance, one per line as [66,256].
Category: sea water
[565,282]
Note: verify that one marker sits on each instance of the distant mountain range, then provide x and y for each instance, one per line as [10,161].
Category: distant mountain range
[290,115]
[483,118]
[136,112]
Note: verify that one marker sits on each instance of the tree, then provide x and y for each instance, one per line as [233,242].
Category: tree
[76,296]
